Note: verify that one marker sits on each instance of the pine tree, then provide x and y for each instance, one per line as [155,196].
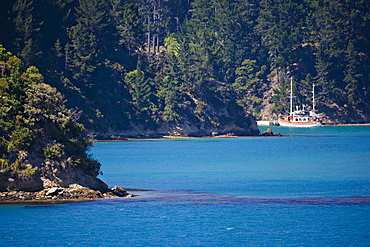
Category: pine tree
[27,31]
[140,90]
[130,29]
[352,76]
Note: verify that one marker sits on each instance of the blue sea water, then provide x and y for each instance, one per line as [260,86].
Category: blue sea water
[308,188]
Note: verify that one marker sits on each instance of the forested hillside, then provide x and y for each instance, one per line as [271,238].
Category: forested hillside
[148,66]
[40,143]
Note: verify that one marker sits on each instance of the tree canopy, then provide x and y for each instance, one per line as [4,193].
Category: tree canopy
[154,62]
[35,126]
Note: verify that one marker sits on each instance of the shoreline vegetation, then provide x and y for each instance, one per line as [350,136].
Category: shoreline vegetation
[189,63]
[267,132]
[124,139]
[43,149]
[118,138]
[77,70]
[78,193]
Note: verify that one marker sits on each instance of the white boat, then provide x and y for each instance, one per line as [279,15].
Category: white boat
[300,118]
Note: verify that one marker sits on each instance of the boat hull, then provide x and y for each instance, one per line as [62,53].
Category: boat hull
[299,124]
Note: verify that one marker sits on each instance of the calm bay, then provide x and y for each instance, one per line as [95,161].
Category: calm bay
[308,188]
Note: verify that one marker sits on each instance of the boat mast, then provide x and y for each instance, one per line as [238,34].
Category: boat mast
[291,96]
[313,99]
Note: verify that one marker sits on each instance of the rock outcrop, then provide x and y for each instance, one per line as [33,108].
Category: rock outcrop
[180,130]
[59,194]
[269,132]
[199,116]
[334,114]
[55,181]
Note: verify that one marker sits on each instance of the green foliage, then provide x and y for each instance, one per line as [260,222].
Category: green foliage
[249,86]
[215,51]
[20,138]
[27,30]
[27,171]
[172,45]
[4,164]
[53,151]
[140,91]
[35,123]
[129,25]
[45,104]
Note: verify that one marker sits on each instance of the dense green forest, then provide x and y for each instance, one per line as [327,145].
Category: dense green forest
[125,64]
[36,130]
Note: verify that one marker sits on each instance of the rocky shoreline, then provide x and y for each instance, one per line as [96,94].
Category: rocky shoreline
[118,138]
[74,192]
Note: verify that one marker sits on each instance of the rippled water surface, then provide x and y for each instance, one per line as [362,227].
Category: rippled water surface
[310,187]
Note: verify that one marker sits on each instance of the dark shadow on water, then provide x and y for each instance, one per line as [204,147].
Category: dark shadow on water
[196,198]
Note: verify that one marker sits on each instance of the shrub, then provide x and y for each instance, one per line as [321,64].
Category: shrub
[54,152]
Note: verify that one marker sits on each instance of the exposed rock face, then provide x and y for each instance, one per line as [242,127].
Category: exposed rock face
[200,117]
[334,114]
[269,132]
[51,174]
[185,129]
[9,183]
[55,194]
[63,174]
[56,181]
[266,108]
